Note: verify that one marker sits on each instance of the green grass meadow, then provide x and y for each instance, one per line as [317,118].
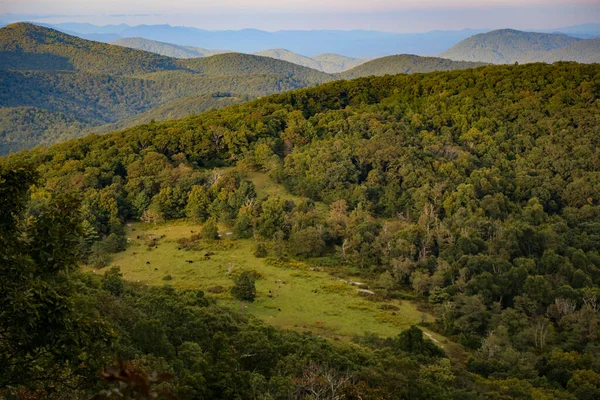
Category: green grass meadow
[299,298]
[291,294]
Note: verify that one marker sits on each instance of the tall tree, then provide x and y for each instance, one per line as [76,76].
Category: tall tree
[244,288]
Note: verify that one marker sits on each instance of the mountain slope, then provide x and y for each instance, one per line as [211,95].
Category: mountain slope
[75,84]
[335,63]
[238,63]
[507,46]
[26,46]
[405,64]
[286,55]
[166,49]
[176,109]
[583,51]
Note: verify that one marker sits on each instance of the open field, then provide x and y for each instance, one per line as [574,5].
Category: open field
[301,298]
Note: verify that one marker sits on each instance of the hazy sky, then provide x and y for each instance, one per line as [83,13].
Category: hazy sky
[389,15]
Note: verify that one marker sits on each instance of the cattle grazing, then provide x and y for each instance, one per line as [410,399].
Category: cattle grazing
[147,262]
[189,261]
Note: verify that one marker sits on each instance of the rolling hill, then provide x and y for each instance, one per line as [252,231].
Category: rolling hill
[584,51]
[507,46]
[239,63]
[334,63]
[405,64]
[26,46]
[60,86]
[329,63]
[286,55]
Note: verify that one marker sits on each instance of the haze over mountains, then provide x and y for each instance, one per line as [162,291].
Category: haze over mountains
[354,43]
[507,46]
[330,63]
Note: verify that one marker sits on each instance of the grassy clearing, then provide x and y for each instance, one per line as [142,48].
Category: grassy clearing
[300,299]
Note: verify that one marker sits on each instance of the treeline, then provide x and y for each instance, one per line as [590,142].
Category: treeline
[478,190]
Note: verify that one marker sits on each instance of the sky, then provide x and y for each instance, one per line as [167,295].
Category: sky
[385,15]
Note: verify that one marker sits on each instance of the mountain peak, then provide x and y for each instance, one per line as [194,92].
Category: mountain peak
[506,46]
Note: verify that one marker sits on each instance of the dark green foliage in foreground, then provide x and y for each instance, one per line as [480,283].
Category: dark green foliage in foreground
[477,190]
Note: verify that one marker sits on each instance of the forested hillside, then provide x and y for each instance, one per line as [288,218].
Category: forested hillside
[26,47]
[238,63]
[475,193]
[405,64]
[176,109]
[54,86]
[75,85]
[286,55]
[329,63]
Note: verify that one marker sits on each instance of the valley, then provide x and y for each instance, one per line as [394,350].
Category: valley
[199,224]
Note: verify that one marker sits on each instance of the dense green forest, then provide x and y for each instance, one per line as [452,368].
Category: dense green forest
[475,193]
[78,85]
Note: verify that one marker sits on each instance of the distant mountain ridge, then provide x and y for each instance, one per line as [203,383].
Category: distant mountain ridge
[406,64]
[329,63]
[354,43]
[166,49]
[506,46]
